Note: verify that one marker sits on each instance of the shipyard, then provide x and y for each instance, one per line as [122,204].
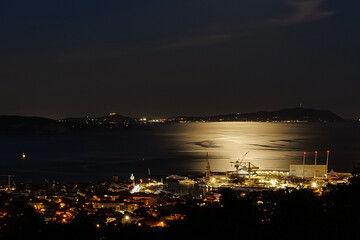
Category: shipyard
[149,203]
[248,177]
[121,199]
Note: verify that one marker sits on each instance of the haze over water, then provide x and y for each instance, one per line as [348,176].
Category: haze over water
[177,149]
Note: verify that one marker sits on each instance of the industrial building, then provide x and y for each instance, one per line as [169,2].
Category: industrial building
[308,171]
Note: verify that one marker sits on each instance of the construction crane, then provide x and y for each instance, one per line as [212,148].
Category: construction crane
[208,171]
[246,166]
[238,163]
[9,176]
[249,167]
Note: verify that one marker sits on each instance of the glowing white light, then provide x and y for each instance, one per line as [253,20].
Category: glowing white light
[273,182]
[135,189]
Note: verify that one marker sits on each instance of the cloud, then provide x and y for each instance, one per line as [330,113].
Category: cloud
[301,11]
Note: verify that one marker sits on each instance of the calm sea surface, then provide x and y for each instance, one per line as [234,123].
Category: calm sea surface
[176,149]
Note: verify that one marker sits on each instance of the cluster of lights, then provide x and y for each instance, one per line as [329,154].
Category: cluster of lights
[273,172]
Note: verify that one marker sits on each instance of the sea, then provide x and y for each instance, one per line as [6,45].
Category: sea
[177,148]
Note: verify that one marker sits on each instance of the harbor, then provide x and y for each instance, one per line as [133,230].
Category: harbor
[150,203]
[248,177]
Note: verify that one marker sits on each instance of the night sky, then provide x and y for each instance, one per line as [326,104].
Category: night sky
[160,58]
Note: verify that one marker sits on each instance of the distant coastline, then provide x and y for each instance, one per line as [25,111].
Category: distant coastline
[283,115]
[117,121]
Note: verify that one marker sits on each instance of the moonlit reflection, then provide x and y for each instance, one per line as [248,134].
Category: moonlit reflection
[270,145]
[179,149]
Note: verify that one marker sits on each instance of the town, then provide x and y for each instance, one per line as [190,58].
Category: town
[164,202]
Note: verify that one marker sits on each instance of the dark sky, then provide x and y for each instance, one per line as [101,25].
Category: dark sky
[159,58]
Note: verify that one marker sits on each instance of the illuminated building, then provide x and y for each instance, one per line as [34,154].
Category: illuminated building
[308,171]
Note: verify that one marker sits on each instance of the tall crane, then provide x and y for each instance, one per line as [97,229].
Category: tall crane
[9,176]
[246,166]
[238,163]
